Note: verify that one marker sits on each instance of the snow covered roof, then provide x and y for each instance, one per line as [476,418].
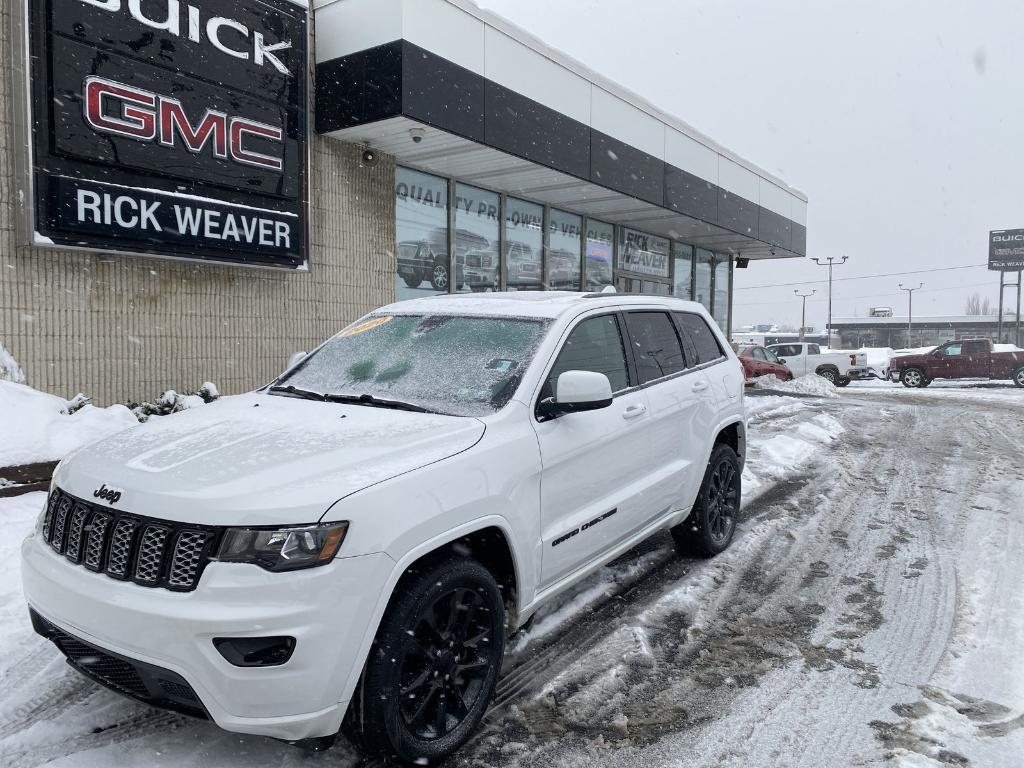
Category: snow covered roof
[541,304]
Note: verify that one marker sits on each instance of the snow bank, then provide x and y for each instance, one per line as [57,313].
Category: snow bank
[35,426]
[811,384]
[9,368]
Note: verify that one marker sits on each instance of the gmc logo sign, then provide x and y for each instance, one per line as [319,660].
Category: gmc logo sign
[168,128]
[120,109]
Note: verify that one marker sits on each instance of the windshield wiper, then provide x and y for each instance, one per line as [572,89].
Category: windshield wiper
[374,402]
[305,394]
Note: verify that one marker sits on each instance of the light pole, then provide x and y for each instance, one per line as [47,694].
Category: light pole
[803,312]
[910,311]
[829,263]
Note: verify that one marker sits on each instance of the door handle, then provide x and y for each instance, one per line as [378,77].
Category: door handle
[700,386]
[634,411]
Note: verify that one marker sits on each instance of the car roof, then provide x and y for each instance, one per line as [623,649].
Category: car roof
[541,304]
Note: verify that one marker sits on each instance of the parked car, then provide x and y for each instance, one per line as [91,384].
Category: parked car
[840,368]
[427,259]
[963,359]
[563,270]
[758,361]
[524,267]
[351,545]
[481,269]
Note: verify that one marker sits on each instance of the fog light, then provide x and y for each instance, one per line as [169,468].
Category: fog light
[255,651]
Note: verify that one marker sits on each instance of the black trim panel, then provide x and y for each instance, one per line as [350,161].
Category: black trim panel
[442,94]
[526,129]
[401,79]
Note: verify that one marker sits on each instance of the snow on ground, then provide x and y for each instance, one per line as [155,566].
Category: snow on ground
[996,392]
[885,631]
[811,384]
[35,426]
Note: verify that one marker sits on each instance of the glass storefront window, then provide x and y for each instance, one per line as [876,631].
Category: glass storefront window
[477,237]
[600,254]
[421,226]
[702,281]
[683,255]
[643,254]
[524,244]
[721,310]
[565,246]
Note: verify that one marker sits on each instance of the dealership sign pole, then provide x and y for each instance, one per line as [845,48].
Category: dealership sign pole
[166,128]
[1006,254]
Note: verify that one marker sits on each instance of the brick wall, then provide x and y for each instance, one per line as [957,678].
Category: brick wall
[124,328]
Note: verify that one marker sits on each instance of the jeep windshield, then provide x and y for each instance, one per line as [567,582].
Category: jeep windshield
[449,364]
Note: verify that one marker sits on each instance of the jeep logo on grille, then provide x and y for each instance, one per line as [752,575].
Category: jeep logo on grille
[110,495]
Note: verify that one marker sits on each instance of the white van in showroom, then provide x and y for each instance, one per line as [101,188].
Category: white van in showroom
[350,547]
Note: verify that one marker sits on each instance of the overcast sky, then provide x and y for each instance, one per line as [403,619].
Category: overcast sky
[902,120]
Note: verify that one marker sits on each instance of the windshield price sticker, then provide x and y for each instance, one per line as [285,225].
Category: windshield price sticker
[369,325]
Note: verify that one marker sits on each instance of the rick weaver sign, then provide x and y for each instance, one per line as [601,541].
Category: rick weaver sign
[169,128]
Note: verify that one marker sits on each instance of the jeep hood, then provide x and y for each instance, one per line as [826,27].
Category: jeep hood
[259,459]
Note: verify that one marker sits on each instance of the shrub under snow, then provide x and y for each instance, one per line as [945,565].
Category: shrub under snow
[9,368]
[173,402]
[35,426]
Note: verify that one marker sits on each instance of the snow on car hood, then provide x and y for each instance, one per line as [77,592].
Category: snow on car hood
[260,459]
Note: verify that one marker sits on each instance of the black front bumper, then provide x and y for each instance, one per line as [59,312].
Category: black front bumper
[138,680]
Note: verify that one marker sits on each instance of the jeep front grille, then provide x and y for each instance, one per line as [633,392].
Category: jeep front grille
[153,553]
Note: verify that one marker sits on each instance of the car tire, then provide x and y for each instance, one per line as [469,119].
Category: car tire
[843,382]
[830,375]
[413,281]
[433,666]
[439,276]
[710,528]
[914,378]
[1018,377]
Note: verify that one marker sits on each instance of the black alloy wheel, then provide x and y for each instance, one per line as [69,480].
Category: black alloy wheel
[712,524]
[445,666]
[434,663]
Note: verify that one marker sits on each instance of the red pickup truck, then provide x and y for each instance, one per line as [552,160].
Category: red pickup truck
[962,359]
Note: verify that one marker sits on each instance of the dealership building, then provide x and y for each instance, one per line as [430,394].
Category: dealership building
[923,331]
[194,193]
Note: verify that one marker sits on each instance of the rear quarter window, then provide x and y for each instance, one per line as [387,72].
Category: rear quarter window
[702,338]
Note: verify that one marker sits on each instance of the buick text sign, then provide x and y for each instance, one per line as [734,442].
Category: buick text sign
[1006,250]
[171,128]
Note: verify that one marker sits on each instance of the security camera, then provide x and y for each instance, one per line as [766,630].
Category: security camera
[417,134]
[369,157]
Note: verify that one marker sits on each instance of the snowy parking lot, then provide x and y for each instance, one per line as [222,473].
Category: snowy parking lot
[870,612]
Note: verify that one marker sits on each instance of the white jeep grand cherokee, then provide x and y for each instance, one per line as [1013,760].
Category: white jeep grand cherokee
[350,546]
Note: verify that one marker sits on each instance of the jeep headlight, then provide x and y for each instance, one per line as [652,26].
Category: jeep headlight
[283,549]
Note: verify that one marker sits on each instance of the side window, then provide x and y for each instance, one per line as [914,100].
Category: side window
[974,347]
[771,356]
[758,354]
[703,339]
[953,350]
[655,345]
[812,349]
[594,345]
[786,350]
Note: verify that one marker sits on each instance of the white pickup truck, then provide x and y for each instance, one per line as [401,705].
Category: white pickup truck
[840,368]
